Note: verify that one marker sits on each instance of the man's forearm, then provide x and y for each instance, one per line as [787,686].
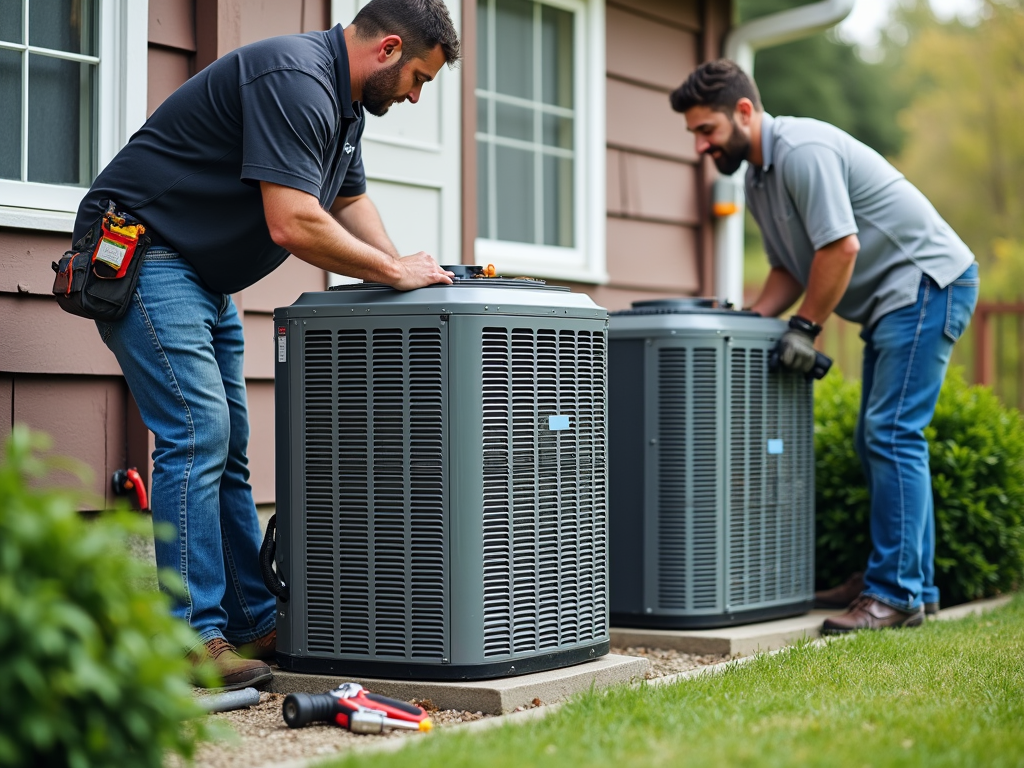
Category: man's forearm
[361,218]
[830,276]
[298,223]
[780,290]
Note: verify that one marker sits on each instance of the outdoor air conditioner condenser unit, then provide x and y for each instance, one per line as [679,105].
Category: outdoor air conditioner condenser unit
[442,480]
[712,462]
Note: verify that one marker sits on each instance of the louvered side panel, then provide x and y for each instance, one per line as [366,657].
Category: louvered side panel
[739,500]
[592,436]
[772,493]
[673,457]
[318,457]
[545,490]
[353,441]
[704,553]
[390,533]
[427,558]
[756,449]
[524,491]
[497,476]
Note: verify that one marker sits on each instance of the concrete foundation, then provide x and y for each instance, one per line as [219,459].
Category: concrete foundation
[741,640]
[492,697]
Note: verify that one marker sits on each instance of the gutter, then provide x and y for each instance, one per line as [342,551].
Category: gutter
[740,46]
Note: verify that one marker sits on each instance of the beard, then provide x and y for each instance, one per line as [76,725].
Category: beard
[381,88]
[733,153]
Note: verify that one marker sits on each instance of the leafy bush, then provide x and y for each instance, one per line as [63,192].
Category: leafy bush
[92,669]
[977,463]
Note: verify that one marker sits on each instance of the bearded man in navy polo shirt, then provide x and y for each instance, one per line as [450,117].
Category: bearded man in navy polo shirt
[846,230]
[255,157]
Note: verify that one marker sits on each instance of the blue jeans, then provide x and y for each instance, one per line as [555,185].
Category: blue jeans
[180,348]
[906,354]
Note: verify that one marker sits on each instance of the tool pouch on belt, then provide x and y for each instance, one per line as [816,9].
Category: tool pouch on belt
[97,277]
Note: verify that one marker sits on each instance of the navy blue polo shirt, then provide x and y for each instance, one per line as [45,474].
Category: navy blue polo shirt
[279,110]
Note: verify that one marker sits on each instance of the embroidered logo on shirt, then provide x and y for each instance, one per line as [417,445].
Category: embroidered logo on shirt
[348,149]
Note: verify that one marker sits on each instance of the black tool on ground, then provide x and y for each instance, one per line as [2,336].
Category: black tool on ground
[353,707]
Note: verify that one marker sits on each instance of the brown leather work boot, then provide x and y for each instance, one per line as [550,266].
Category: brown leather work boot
[841,596]
[261,648]
[235,672]
[868,613]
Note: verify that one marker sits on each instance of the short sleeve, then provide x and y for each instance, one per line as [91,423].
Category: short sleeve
[355,177]
[288,120]
[815,177]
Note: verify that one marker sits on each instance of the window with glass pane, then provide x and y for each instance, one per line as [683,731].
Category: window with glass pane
[49,61]
[525,122]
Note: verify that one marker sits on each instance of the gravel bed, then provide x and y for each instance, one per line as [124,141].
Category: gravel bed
[667,662]
[261,738]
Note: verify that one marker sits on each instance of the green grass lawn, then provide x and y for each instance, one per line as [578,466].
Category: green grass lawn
[948,694]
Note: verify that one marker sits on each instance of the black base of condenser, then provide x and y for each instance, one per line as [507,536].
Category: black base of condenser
[710,621]
[393,670]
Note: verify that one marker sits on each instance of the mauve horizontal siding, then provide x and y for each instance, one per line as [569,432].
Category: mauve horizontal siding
[654,190]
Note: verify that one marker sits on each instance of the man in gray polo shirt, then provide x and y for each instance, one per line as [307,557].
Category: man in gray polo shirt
[255,157]
[846,230]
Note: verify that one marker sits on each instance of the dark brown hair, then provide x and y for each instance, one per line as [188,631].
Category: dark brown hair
[422,25]
[717,84]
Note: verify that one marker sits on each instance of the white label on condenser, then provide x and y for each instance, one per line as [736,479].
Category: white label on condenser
[775,447]
[281,347]
[111,253]
[558,423]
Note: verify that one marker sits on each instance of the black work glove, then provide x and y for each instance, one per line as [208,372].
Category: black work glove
[795,350]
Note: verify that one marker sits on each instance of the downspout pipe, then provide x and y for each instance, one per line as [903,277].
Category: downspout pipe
[740,46]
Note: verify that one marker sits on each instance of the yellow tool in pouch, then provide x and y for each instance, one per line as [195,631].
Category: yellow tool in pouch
[97,277]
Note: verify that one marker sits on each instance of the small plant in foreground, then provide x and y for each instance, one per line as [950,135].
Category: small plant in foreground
[977,464]
[92,668]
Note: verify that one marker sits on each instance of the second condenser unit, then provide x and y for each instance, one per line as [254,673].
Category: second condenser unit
[441,480]
[712,469]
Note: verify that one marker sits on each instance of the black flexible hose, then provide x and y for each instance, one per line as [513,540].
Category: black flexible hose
[267,551]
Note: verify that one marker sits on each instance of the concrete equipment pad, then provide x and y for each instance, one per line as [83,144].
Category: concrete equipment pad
[492,697]
[742,640]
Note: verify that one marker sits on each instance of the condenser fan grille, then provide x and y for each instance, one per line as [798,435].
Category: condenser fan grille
[545,489]
[374,492]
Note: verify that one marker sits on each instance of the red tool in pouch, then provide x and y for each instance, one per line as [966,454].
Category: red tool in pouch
[116,245]
[353,707]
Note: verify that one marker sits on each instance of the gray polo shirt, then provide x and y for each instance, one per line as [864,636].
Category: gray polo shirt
[279,110]
[817,185]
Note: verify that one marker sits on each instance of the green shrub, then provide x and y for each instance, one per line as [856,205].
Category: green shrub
[977,463]
[92,670]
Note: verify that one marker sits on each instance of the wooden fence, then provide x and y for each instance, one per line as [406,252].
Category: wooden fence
[991,351]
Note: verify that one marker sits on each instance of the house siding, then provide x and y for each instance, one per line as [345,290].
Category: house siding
[55,374]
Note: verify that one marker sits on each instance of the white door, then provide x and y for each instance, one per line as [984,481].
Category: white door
[412,157]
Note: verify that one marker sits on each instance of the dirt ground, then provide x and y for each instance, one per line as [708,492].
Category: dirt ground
[261,737]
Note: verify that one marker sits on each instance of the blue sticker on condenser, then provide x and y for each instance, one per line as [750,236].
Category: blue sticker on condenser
[775,446]
[558,423]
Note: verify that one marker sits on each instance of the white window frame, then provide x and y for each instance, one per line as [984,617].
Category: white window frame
[586,261]
[121,110]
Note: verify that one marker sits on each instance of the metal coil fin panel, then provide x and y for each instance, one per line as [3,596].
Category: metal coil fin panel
[688,492]
[771,492]
[544,490]
[374,493]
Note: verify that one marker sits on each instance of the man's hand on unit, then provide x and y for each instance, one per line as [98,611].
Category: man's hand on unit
[419,270]
[795,349]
